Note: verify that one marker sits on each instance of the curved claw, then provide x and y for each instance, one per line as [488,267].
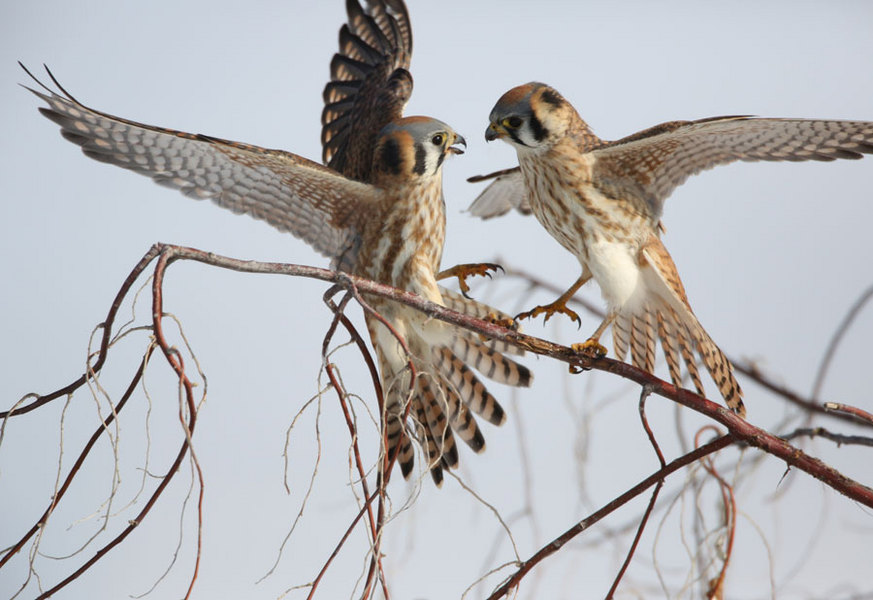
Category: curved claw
[462,272]
[507,322]
[591,348]
[549,310]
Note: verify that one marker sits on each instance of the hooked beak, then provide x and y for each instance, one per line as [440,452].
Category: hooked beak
[494,131]
[459,139]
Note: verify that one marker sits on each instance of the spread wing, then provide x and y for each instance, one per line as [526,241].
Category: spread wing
[289,192]
[369,85]
[650,164]
[506,192]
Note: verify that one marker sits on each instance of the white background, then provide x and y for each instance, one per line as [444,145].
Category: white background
[772,257]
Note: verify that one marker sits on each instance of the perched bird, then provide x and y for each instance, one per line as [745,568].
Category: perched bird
[602,200]
[377,211]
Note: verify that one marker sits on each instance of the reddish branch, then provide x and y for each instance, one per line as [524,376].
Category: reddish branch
[102,428]
[173,358]
[375,530]
[559,542]
[739,429]
[716,585]
[860,414]
[104,342]
[651,506]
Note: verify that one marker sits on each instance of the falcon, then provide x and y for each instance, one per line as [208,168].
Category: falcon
[602,200]
[376,210]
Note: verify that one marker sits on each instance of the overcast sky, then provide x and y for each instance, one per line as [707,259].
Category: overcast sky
[772,256]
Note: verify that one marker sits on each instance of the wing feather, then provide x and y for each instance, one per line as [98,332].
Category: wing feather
[289,192]
[650,164]
[506,192]
[370,84]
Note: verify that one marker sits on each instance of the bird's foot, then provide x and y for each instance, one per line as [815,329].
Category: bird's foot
[590,348]
[468,270]
[558,306]
[507,322]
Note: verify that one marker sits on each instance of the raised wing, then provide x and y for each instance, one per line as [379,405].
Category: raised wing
[506,192]
[289,192]
[650,164]
[369,85]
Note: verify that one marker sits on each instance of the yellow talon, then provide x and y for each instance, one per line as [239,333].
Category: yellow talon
[557,306]
[507,322]
[468,270]
[591,348]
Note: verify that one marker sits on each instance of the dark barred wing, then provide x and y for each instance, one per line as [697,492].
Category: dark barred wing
[650,164]
[369,85]
[291,193]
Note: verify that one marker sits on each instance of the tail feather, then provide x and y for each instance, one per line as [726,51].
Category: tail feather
[620,335]
[721,371]
[471,391]
[491,363]
[457,302]
[438,425]
[679,337]
[463,423]
[667,305]
[669,344]
[431,451]
[642,341]
[447,390]
[395,432]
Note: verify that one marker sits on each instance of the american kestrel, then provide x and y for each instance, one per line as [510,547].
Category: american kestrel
[603,200]
[378,213]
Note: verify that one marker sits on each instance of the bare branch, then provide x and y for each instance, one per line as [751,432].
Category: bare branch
[607,509]
[831,350]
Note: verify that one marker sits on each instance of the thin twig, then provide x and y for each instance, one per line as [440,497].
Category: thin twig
[646,392]
[102,428]
[607,509]
[831,350]
[149,256]
[715,589]
[858,413]
[840,439]
[173,359]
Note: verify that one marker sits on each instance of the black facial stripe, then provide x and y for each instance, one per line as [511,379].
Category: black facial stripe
[390,159]
[440,160]
[536,127]
[514,135]
[551,97]
[420,159]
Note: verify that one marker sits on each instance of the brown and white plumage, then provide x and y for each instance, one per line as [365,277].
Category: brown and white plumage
[370,85]
[603,201]
[377,211]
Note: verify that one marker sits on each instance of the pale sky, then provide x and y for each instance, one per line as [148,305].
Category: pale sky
[772,256]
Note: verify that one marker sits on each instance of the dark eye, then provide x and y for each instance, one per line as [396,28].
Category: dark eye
[512,122]
[438,139]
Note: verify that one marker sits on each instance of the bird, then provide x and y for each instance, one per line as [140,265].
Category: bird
[603,200]
[376,209]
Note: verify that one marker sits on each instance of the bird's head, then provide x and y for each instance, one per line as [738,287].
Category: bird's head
[415,147]
[531,116]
